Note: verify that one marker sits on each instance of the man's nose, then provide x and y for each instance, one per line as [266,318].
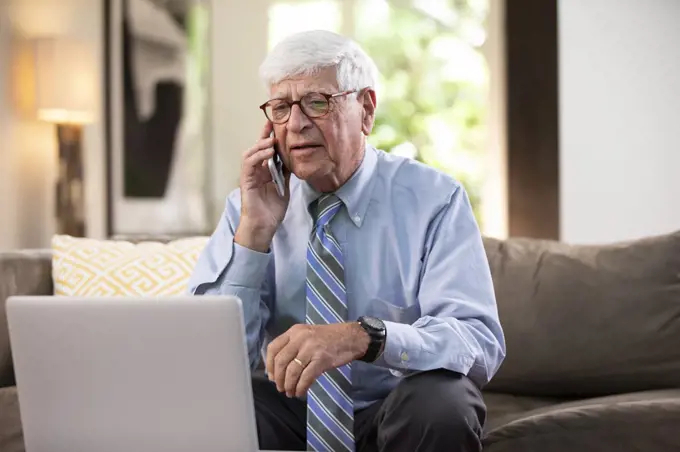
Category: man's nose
[297,121]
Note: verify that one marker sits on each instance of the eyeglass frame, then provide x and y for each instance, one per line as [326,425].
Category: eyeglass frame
[298,102]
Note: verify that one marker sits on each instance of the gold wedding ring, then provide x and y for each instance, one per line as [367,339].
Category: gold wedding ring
[298,362]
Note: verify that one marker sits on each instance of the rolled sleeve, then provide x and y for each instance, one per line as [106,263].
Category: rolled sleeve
[398,352]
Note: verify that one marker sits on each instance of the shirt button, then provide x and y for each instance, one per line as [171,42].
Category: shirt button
[357,218]
[404,356]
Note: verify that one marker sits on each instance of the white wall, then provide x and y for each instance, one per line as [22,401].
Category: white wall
[28,148]
[619,118]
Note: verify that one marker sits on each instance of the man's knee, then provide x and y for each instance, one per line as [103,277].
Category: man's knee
[444,401]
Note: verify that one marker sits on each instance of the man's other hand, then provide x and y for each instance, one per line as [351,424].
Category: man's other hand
[299,356]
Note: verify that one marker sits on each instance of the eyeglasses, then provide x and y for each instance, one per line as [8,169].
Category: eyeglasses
[314,105]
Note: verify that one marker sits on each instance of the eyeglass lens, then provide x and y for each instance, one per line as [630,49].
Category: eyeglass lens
[312,104]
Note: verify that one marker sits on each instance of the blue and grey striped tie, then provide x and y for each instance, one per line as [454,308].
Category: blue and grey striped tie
[330,411]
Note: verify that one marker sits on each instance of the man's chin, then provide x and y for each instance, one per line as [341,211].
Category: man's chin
[311,171]
[306,171]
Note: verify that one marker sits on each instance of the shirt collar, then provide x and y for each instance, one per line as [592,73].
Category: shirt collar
[356,192]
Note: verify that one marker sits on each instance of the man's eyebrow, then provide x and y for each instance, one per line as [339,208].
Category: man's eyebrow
[314,89]
[318,89]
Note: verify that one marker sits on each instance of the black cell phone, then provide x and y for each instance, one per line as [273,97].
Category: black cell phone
[275,165]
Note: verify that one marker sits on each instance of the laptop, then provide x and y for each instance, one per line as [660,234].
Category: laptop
[100,374]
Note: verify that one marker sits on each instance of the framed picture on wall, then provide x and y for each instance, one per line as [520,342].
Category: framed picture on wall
[157,116]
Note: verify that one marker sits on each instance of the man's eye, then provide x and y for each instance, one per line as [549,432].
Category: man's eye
[319,104]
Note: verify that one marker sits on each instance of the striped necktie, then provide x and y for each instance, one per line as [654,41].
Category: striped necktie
[330,410]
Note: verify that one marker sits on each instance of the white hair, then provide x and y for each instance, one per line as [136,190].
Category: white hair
[308,52]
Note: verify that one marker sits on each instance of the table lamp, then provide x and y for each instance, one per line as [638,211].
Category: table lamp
[65,87]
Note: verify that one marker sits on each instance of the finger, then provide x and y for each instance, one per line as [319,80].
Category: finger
[281,362]
[257,158]
[267,129]
[273,349]
[311,372]
[259,145]
[293,372]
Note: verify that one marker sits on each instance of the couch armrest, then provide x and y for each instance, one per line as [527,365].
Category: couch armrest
[26,272]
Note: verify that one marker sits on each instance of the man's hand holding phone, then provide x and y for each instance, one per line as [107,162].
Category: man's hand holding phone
[262,208]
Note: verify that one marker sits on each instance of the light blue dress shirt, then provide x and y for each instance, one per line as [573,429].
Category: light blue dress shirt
[413,257]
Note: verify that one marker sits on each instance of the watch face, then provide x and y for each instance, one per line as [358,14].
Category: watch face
[373,323]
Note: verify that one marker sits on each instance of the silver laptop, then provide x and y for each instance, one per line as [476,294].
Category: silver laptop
[132,374]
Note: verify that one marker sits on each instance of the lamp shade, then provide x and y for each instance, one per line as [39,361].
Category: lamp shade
[65,81]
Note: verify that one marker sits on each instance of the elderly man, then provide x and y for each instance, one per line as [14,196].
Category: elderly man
[366,281]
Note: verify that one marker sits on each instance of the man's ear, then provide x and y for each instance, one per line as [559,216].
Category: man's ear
[368,103]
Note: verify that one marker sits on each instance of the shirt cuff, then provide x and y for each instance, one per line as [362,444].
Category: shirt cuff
[397,354]
[247,267]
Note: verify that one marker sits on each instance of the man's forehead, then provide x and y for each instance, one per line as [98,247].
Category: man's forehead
[300,86]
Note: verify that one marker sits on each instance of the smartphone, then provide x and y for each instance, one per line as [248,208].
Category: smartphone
[276,169]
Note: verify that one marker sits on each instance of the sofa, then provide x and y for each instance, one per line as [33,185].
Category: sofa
[593,344]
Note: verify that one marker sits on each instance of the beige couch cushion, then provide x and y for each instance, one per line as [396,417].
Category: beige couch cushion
[588,320]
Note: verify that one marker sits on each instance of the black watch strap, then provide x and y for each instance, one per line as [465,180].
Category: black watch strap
[377,333]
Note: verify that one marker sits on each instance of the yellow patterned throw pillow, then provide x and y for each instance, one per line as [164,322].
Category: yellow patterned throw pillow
[90,267]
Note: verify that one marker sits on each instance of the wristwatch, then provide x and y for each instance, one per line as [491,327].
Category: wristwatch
[377,332]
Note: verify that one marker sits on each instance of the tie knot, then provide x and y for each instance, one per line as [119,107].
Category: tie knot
[324,209]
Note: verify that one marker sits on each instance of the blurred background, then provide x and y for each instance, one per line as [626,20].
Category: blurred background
[560,117]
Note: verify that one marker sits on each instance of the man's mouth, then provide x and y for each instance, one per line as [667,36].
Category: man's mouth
[304,147]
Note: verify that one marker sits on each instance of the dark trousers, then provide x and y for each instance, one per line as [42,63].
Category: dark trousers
[431,411]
